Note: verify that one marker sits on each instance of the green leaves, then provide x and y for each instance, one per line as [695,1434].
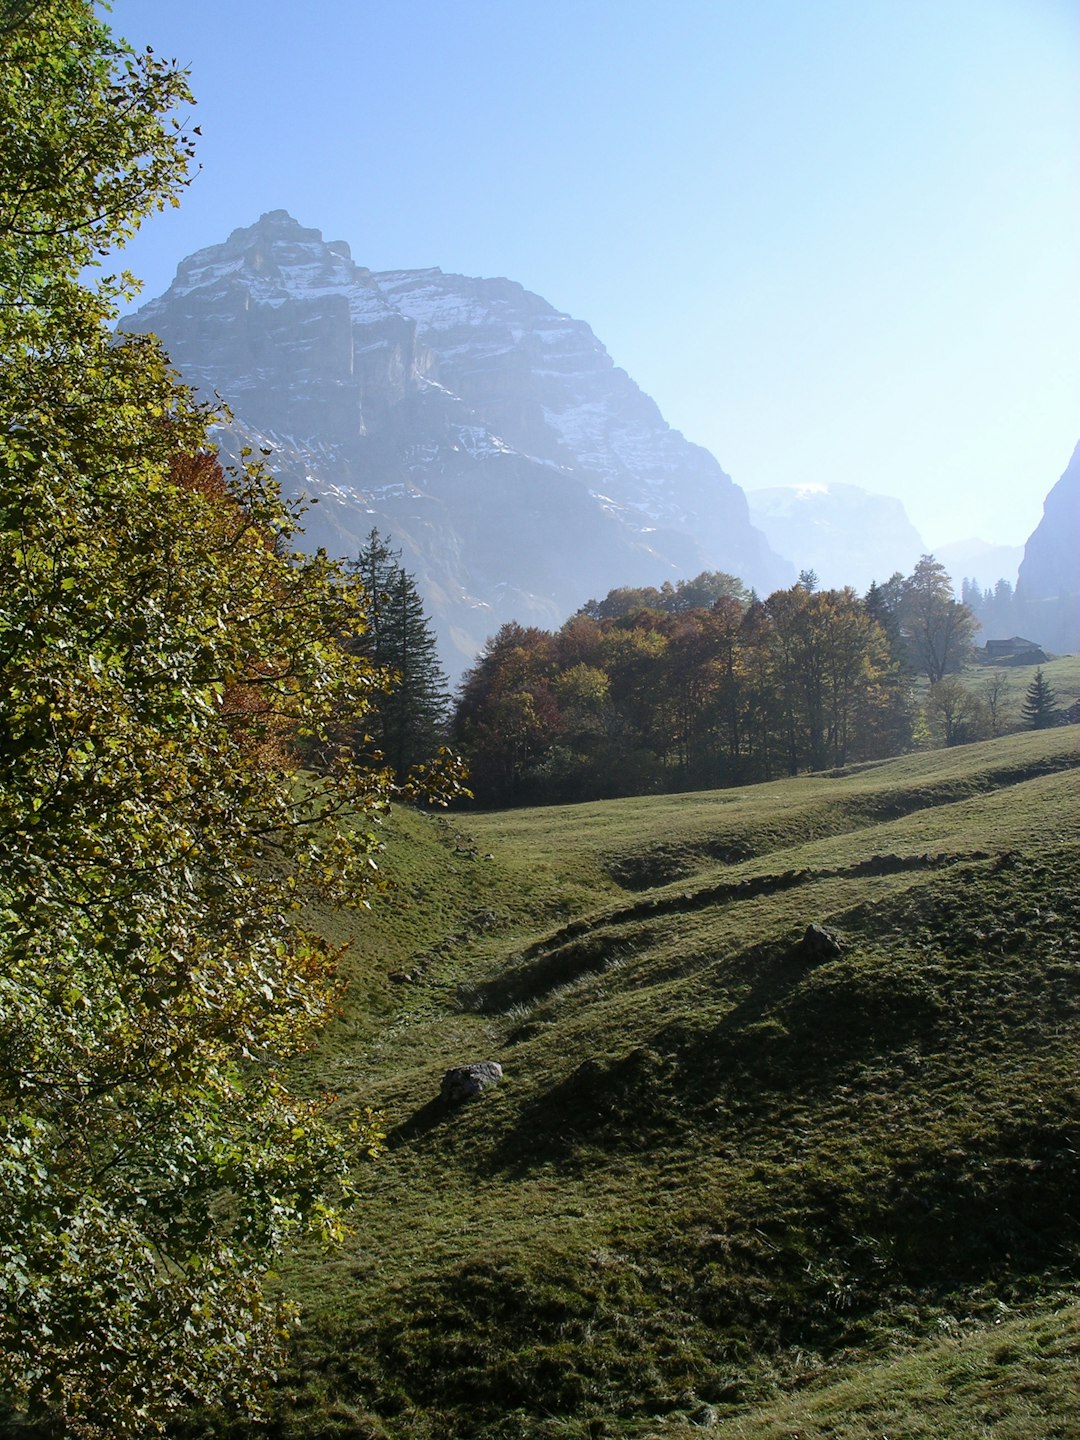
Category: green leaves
[161,661]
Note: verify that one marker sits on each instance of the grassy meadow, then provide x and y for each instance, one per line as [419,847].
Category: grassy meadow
[725,1184]
[1009,683]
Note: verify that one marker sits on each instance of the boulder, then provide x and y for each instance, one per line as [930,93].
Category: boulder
[464,1082]
[818,945]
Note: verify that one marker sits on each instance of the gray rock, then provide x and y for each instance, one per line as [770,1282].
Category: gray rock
[1048,590]
[464,1082]
[819,944]
[706,1416]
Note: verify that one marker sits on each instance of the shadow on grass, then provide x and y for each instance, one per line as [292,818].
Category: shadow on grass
[802,1025]
[420,1123]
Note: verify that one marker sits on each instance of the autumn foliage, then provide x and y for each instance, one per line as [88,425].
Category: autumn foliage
[629,697]
[166,664]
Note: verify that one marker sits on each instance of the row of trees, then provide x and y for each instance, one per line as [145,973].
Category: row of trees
[180,701]
[651,699]
[690,684]
[996,608]
[702,684]
[957,713]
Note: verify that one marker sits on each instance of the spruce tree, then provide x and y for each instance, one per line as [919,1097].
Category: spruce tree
[1040,707]
[408,722]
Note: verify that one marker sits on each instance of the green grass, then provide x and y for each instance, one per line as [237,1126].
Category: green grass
[720,1181]
[1062,673]
[1010,1379]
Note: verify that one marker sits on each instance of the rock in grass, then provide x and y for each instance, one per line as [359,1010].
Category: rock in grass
[464,1082]
[819,944]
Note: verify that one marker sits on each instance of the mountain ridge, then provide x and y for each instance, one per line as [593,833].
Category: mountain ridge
[1048,586]
[489,434]
[846,534]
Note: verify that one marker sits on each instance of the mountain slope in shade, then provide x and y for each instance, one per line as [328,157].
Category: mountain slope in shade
[1048,589]
[845,534]
[489,435]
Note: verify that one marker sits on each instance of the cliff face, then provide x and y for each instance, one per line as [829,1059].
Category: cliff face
[1048,588]
[845,534]
[487,434]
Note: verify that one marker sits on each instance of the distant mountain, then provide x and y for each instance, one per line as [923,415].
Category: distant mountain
[486,433]
[846,535]
[1048,589]
[980,561]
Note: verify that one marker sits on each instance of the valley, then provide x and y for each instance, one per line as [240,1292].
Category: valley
[726,1180]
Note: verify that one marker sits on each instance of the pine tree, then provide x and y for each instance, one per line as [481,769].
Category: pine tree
[882,604]
[1040,707]
[408,722]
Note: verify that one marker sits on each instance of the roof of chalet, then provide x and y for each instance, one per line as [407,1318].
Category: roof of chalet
[1016,643]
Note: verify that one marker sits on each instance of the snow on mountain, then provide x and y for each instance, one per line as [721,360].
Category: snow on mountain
[845,534]
[488,434]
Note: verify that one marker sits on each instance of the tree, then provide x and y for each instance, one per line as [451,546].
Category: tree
[995,692]
[955,715]
[708,588]
[408,721]
[883,604]
[162,661]
[937,627]
[696,594]
[836,692]
[1040,709]
[507,718]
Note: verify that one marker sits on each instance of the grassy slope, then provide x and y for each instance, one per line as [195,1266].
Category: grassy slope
[1062,673]
[719,1182]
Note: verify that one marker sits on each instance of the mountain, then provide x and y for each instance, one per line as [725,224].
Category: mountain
[1048,588]
[846,535]
[980,561]
[489,435]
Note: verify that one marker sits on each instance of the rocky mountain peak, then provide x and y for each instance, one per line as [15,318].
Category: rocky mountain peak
[845,534]
[489,434]
[277,253]
[1048,589]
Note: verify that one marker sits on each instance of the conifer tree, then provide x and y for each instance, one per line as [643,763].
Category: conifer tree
[1040,708]
[882,604]
[408,721]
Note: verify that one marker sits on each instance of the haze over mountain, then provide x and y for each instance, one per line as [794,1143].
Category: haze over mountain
[489,435]
[845,534]
[1048,588]
[980,561]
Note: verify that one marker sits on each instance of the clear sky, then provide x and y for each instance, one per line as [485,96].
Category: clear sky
[835,240]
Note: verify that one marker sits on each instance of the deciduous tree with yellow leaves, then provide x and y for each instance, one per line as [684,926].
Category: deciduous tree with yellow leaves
[164,660]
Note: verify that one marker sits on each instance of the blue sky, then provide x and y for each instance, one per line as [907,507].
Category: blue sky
[836,240]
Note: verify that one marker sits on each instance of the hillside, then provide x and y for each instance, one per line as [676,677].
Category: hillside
[724,1180]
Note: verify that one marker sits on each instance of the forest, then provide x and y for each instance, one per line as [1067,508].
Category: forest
[700,684]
